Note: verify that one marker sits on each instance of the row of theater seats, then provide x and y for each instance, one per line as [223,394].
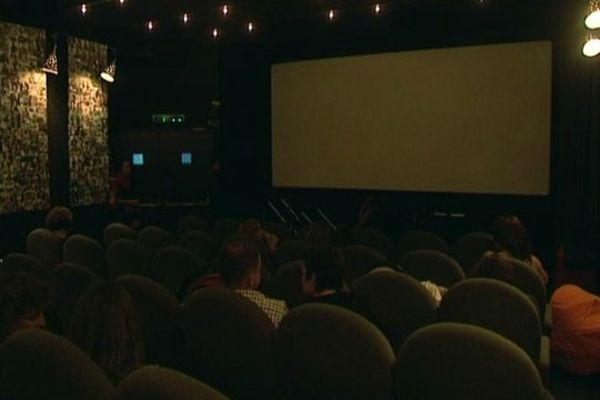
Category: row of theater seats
[318,352]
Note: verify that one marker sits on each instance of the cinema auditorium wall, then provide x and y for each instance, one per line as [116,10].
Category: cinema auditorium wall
[29,101]
[24,178]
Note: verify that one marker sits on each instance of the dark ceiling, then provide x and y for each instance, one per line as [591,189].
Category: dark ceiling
[121,25]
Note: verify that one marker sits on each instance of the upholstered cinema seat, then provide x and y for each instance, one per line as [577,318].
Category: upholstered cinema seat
[357,260]
[18,263]
[154,238]
[287,284]
[200,244]
[291,250]
[501,308]
[229,339]
[125,257]
[172,265]
[45,247]
[154,383]
[327,352]
[434,266]
[38,365]
[469,248]
[83,250]
[116,231]
[395,302]
[419,240]
[374,238]
[460,361]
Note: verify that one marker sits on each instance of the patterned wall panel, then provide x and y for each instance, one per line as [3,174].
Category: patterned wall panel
[24,180]
[88,123]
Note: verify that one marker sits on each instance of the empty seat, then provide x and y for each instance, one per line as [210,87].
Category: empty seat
[460,361]
[83,250]
[116,231]
[499,307]
[38,365]
[125,257]
[199,243]
[374,238]
[358,260]
[69,281]
[431,265]
[18,263]
[327,352]
[172,265]
[45,247]
[154,238]
[395,302]
[154,383]
[419,240]
[229,338]
[469,248]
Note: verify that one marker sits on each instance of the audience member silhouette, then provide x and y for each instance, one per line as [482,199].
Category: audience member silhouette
[104,326]
[240,267]
[59,221]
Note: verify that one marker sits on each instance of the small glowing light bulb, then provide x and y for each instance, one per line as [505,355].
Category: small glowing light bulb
[331,15]
[150,25]
[250,27]
[215,33]
[122,2]
[591,48]
[225,10]
[83,9]
[377,8]
[185,18]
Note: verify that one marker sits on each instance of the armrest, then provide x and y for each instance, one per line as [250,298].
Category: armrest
[544,361]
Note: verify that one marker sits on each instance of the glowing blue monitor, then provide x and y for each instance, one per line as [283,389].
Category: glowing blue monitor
[138,158]
[186,158]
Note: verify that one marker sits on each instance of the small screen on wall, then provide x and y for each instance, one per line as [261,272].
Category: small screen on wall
[186,158]
[138,158]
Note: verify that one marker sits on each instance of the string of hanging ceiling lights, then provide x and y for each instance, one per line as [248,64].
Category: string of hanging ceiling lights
[591,48]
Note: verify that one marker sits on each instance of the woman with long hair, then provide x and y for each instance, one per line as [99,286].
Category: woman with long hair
[104,327]
[512,241]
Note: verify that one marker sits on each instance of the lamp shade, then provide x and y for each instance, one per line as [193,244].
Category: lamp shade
[108,74]
[51,63]
[591,48]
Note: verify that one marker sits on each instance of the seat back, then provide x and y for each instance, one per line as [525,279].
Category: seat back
[419,240]
[229,338]
[496,306]
[116,231]
[291,250]
[83,250]
[327,352]
[223,229]
[470,247]
[374,238]
[69,282]
[200,244]
[173,265]
[154,383]
[460,361]
[18,263]
[431,265]
[395,302]
[38,365]
[125,257]
[191,223]
[358,260]
[45,247]
[529,281]
[154,238]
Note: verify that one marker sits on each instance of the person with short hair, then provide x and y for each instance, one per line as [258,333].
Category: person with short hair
[59,221]
[104,326]
[322,278]
[240,267]
[23,300]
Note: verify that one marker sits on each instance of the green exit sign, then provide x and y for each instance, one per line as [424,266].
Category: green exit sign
[168,119]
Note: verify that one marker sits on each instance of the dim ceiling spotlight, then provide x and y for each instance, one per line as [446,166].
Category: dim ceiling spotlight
[150,25]
[591,48]
[51,63]
[108,74]
[377,8]
[331,15]
[592,20]
[225,10]
[215,33]
[121,2]
[250,27]
[185,18]
[83,9]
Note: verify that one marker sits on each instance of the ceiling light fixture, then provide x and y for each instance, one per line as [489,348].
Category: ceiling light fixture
[108,73]
[592,20]
[83,9]
[250,27]
[121,2]
[51,63]
[331,15]
[150,25]
[185,18]
[215,33]
[377,8]
[225,10]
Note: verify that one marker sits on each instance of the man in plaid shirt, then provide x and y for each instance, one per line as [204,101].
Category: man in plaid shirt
[240,267]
